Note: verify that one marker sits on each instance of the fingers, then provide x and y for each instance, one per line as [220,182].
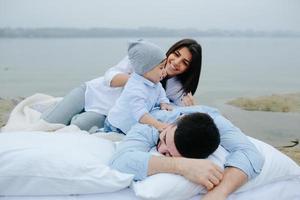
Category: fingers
[169,108]
[188,99]
[162,127]
[208,185]
[211,181]
[214,180]
[218,173]
[166,107]
[202,171]
[163,108]
[214,177]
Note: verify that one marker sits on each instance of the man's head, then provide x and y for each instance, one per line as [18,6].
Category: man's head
[193,136]
[146,57]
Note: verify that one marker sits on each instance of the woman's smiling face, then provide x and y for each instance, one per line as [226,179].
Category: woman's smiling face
[178,61]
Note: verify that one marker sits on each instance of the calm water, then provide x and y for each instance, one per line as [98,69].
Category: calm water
[231,66]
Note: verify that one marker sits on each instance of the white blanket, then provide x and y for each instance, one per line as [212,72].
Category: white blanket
[25,117]
[283,190]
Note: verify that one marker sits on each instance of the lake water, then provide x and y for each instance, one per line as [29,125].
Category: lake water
[231,66]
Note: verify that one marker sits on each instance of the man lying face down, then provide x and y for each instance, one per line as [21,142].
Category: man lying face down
[192,136]
[195,133]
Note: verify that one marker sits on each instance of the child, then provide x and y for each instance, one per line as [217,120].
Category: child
[143,90]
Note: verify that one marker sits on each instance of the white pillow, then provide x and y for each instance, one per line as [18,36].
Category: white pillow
[39,163]
[277,167]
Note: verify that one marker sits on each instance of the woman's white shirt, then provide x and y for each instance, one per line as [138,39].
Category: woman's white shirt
[99,96]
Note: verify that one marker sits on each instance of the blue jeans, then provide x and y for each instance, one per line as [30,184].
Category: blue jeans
[110,128]
[70,110]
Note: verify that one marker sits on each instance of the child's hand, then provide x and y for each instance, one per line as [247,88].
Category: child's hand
[166,106]
[161,126]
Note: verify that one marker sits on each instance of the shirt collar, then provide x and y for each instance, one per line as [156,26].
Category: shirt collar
[145,81]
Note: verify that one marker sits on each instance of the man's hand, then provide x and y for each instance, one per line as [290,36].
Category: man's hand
[214,196]
[200,171]
[233,178]
[166,106]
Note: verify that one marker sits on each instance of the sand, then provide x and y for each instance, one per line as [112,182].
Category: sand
[273,103]
[279,111]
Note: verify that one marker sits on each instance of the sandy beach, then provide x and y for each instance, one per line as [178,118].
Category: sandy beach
[250,122]
[280,130]
[273,119]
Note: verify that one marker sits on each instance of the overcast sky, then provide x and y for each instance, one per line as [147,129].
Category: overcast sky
[199,14]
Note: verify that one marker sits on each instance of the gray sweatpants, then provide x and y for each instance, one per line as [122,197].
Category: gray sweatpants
[70,110]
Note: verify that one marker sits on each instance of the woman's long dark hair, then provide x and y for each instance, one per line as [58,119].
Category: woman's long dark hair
[190,78]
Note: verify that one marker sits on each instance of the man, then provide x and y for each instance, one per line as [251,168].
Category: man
[243,163]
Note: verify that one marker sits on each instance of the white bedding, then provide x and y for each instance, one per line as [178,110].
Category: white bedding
[26,118]
[282,190]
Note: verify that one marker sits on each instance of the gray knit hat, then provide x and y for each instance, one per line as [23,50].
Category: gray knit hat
[144,56]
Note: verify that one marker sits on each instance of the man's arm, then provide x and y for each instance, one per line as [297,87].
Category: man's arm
[244,161]
[132,156]
[233,178]
[242,153]
[242,164]
[199,171]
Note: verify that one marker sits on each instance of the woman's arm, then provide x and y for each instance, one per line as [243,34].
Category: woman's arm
[119,80]
[176,94]
[123,67]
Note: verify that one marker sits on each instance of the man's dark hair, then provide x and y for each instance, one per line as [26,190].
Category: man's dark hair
[196,136]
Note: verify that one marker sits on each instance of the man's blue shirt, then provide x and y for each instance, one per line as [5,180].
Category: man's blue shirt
[132,155]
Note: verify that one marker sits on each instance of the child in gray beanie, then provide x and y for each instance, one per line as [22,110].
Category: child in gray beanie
[143,90]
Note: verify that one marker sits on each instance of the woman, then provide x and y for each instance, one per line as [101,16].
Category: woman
[88,105]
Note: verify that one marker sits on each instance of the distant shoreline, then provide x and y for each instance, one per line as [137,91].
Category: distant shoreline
[53,32]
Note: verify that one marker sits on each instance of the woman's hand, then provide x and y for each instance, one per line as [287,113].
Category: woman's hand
[188,100]
[166,106]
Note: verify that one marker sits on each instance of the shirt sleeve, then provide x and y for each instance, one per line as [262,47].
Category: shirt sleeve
[174,91]
[162,95]
[132,154]
[123,66]
[242,153]
[137,104]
